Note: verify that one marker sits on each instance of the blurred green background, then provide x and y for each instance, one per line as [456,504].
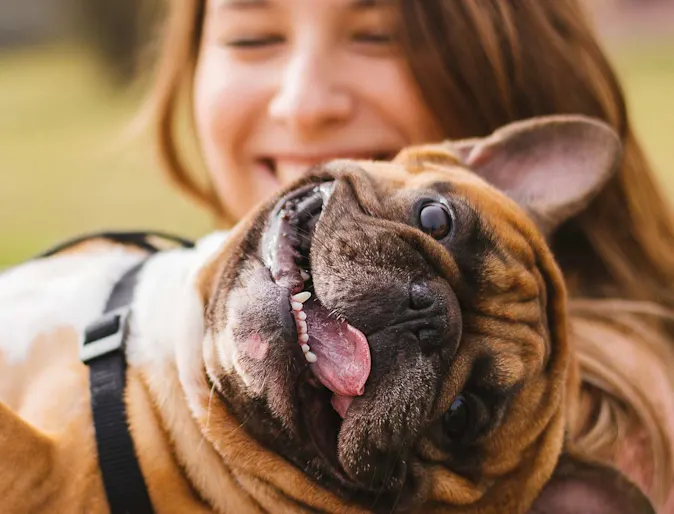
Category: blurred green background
[66,166]
[68,163]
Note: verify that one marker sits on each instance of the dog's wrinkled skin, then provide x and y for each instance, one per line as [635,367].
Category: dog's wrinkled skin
[221,409]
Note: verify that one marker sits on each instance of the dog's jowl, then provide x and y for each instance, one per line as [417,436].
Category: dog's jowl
[383,336]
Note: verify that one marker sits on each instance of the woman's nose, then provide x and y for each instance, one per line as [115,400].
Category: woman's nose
[309,97]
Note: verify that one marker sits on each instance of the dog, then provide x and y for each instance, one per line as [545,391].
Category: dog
[379,337]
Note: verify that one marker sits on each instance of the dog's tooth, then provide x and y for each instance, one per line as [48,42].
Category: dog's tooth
[296,306]
[301,315]
[311,357]
[305,275]
[302,326]
[304,338]
[305,348]
[301,297]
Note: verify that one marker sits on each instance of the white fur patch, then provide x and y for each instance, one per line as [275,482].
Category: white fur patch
[72,290]
[228,353]
[168,314]
[65,290]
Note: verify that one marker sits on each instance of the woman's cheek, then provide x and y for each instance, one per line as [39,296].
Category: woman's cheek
[391,88]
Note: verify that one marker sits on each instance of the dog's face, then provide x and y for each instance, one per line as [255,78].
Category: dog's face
[396,330]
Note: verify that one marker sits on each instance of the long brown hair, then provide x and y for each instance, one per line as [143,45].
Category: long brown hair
[479,65]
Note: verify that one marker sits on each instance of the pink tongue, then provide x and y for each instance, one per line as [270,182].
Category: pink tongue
[341,404]
[343,355]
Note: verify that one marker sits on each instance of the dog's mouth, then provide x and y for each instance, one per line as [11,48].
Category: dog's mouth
[336,353]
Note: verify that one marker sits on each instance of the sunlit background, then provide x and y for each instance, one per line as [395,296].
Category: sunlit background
[67,165]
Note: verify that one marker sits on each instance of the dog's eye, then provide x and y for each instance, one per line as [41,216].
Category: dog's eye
[435,220]
[457,419]
[466,418]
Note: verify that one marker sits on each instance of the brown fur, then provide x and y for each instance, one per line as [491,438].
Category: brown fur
[197,454]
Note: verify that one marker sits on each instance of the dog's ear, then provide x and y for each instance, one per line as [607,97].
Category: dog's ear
[579,486]
[552,166]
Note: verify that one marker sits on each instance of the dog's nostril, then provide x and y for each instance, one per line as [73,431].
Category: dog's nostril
[421,296]
[429,338]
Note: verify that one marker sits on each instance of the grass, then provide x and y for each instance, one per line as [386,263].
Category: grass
[65,172]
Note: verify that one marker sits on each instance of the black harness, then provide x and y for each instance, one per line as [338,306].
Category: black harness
[103,350]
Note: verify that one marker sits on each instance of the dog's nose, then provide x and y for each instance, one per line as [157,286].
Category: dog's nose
[421,296]
[434,327]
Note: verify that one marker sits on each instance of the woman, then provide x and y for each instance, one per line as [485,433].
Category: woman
[277,85]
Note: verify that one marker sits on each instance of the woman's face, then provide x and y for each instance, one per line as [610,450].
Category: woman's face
[281,85]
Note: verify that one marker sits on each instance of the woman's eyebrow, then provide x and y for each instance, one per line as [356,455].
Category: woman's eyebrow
[241,4]
[364,4]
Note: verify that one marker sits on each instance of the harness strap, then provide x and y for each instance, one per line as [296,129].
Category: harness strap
[103,350]
[140,239]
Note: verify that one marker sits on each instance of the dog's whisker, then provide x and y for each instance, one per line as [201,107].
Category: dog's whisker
[315,239]
[208,416]
[243,423]
[395,503]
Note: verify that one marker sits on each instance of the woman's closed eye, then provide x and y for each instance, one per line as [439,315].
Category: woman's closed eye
[252,42]
[368,38]
[379,38]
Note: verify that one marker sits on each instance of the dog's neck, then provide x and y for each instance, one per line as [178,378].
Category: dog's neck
[166,382]
[169,401]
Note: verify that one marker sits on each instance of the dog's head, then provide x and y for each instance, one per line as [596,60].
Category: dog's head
[396,330]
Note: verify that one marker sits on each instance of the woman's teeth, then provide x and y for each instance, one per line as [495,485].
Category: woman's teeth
[289,170]
[297,304]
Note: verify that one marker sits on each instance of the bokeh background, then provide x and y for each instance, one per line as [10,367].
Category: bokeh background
[70,89]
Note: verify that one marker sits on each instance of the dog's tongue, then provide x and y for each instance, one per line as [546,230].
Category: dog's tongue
[343,355]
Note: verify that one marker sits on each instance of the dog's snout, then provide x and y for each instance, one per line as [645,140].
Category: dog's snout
[434,313]
[430,338]
[436,336]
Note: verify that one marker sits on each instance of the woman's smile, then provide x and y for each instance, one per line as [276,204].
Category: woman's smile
[281,86]
[286,166]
